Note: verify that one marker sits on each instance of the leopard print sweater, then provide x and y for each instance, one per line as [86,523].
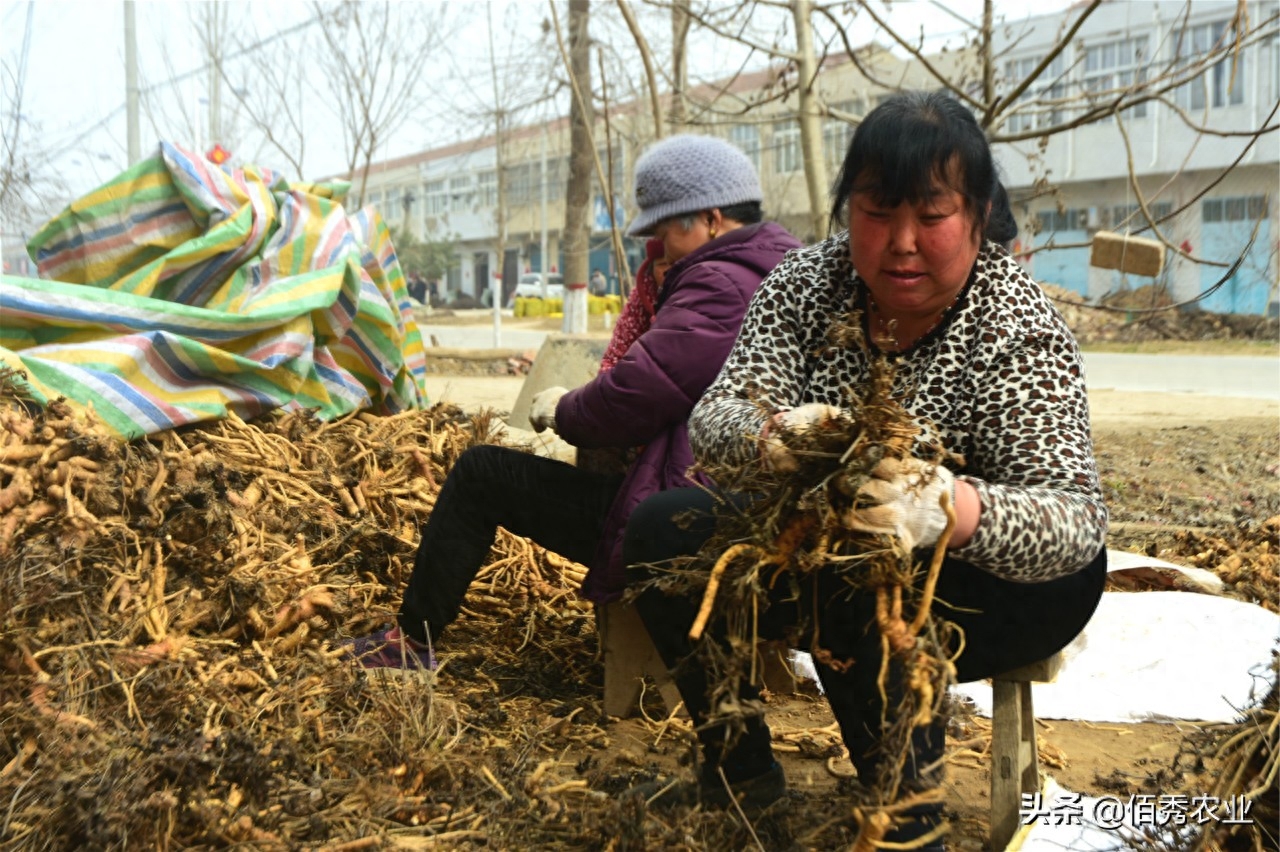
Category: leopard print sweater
[1000,381]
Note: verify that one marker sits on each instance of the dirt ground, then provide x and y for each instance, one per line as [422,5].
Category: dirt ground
[171,675]
[1192,480]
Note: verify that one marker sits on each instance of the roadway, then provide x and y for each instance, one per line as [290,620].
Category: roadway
[1212,375]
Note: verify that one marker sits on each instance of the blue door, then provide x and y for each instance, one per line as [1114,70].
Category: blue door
[1249,288]
[1065,267]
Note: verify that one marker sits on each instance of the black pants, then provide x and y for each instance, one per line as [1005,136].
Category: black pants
[1005,625]
[555,504]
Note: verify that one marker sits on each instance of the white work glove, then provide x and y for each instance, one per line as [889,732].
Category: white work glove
[542,409]
[796,421]
[904,495]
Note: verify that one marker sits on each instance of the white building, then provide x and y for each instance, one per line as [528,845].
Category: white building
[1190,128]
[1217,179]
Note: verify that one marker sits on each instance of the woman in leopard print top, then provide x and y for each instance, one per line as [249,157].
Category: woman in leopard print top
[999,381]
[990,371]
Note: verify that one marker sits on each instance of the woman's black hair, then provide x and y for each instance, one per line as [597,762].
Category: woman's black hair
[908,143]
[746,212]
[1001,227]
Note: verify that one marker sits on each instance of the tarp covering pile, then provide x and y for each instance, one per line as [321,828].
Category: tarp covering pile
[181,291]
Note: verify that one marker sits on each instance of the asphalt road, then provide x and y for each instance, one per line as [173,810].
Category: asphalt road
[1214,375]
[480,335]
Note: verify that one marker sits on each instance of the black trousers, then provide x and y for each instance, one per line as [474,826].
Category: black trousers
[1005,625]
[555,504]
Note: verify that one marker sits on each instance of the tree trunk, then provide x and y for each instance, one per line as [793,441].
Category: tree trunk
[680,21]
[576,238]
[815,163]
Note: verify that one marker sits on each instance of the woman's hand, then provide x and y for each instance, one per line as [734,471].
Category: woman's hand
[905,497]
[796,421]
[542,408]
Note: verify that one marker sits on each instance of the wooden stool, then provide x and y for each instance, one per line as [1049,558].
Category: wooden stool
[629,656]
[1014,767]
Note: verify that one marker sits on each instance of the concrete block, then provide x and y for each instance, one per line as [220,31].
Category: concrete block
[567,360]
[1133,255]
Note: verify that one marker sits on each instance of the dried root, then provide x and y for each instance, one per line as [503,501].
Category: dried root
[874,825]
[170,627]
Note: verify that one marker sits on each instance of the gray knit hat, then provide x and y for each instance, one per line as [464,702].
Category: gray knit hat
[684,174]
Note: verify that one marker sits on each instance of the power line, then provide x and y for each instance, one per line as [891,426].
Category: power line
[179,78]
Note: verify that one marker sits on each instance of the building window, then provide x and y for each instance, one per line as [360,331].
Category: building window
[1040,104]
[1113,67]
[747,139]
[786,147]
[836,134]
[521,184]
[557,178]
[1221,84]
[1129,217]
[391,209]
[487,188]
[1236,209]
[460,194]
[437,198]
[1051,221]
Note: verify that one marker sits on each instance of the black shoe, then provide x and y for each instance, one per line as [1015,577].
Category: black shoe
[752,794]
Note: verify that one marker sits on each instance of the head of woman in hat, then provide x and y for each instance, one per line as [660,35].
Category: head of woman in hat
[692,190]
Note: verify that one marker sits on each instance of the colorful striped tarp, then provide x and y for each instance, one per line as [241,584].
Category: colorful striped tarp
[180,291]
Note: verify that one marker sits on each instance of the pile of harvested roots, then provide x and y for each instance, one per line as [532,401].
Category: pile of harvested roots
[171,612]
[795,526]
[1241,762]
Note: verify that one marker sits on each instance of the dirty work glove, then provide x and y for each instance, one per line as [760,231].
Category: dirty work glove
[542,409]
[904,495]
[797,421]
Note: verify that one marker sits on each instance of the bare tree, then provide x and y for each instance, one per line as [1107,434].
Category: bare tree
[277,99]
[1014,103]
[681,20]
[575,238]
[28,180]
[516,86]
[259,97]
[646,57]
[374,70]
[810,115]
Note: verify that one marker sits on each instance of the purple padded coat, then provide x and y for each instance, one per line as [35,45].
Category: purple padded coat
[645,400]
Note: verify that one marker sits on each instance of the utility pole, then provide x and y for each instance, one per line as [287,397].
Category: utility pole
[542,254]
[131,81]
[500,188]
[215,82]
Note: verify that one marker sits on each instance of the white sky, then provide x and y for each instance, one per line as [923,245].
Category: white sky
[75,91]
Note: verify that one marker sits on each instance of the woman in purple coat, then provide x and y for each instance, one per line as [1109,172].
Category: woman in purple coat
[701,197]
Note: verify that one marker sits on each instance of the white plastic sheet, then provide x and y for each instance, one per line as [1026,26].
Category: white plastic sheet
[1152,656]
